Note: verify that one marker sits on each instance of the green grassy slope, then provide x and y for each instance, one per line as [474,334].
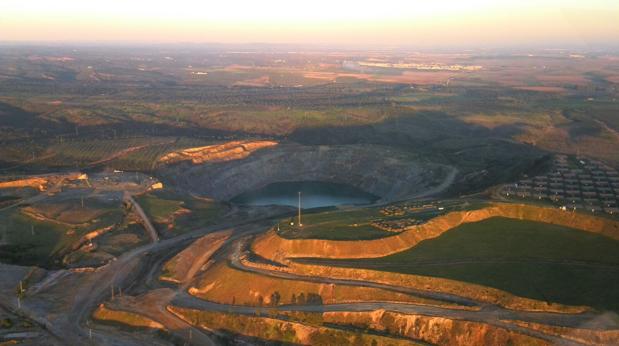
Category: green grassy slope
[529,259]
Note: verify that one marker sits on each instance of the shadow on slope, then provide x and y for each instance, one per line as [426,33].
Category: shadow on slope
[484,156]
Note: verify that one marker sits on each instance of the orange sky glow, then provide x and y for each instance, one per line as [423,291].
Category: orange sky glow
[386,22]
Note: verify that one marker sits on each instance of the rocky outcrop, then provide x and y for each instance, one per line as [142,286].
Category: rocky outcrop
[385,172]
[433,330]
[229,151]
[37,183]
[583,334]
[272,246]
[285,331]
[40,183]
[182,267]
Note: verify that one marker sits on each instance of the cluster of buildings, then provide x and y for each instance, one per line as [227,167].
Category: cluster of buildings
[404,208]
[573,184]
[398,218]
[396,225]
[421,66]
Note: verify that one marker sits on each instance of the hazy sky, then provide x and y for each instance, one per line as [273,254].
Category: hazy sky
[424,23]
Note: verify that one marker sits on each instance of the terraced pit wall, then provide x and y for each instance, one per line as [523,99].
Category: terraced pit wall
[433,330]
[456,288]
[385,172]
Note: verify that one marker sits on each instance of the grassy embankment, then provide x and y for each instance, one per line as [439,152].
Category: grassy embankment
[335,225]
[179,213]
[357,224]
[529,259]
[36,234]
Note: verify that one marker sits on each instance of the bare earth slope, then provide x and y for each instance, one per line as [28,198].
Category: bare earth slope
[216,153]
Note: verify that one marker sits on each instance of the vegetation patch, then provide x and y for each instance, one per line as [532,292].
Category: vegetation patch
[179,213]
[334,225]
[28,241]
[529,259]
[368,223]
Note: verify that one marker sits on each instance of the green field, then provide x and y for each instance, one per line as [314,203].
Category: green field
[25,240]
[29,241]
[158,208]
[529,259]
[357,224]
[335,225]
[162,205]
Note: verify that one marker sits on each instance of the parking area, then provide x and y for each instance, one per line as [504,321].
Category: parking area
[574,183]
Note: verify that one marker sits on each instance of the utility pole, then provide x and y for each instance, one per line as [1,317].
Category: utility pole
[300,224]
[89,330]
[21,291]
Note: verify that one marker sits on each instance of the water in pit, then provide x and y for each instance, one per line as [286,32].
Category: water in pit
[314,194]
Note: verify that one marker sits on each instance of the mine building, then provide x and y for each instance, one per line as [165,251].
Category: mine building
[612,211]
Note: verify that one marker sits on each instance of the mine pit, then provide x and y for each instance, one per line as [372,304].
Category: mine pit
[305,194]
[362,174]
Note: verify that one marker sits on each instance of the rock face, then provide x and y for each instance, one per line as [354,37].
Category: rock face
[216,153]
[434,330]
[382,171]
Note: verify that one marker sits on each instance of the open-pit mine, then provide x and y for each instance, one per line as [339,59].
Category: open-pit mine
[175,258]
[243,195]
